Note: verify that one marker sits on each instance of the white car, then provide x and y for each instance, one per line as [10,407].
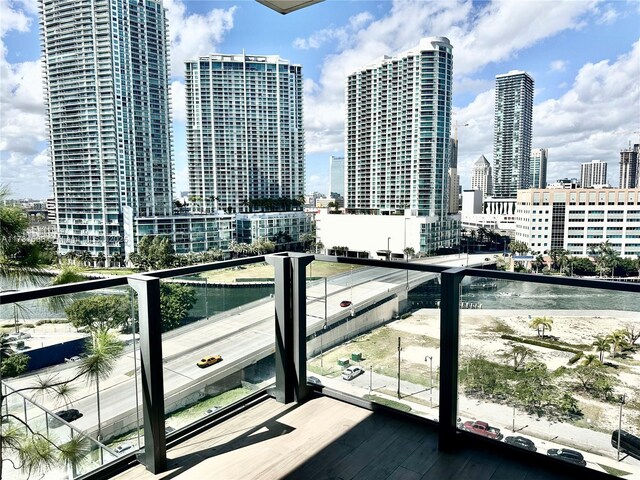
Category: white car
[351,372]
[123,448]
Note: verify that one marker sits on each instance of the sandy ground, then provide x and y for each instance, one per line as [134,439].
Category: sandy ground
[478,336]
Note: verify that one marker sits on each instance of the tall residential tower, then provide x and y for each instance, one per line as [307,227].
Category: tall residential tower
[512,133]
[593,173]
[538,167]
[481,177]
[397,132]
[105,67]
[245,135]
[630,167]
[336,175]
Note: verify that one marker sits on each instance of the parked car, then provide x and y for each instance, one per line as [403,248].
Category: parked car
[123,448]
[522,442]
[66,415]
[75,358]
[629,444]
[351,372]
[567,455]
[208,361]
[314,381]
[345,303]
[212,410]
[482,428]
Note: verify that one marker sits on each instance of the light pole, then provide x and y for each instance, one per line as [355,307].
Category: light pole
[622,400]
[324,327]
[405,248]
[388,249]
[430,379]
[399,367]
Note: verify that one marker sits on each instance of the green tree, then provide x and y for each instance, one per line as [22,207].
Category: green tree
[102,350]
[155,253]
[601,345]
[518,247]
[540,324]
[176,301]
[583,266]
[99,312]
[534,388]
[618,340]
[409,252]
[632,334]
[594,380]
[517,354]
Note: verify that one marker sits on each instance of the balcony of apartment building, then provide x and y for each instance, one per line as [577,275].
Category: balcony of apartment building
[350,368]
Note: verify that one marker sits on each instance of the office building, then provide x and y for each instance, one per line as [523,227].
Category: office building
[245,135]
[538,167]
[336,176]
[593,174]
[105,67]
[578,220]
[481,177]
[512,133]
[630,167]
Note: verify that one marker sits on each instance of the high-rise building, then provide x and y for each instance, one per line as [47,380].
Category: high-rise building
[481,177]
[454,178]
[245,135]
[106,69]
[512,133]
[593,173]
[397,132]
[336,175]
[538,167]
[630,167]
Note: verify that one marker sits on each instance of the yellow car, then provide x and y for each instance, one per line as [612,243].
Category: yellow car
[208,361]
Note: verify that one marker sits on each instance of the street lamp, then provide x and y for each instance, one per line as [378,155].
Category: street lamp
[623,397]
[430,379]
[405,247]
[388,249]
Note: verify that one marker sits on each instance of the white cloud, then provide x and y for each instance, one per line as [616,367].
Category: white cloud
[195,34]
[12,18]
[608,16]
[341,35]
[558,66]
[495,33]
[22,173]
[178,106]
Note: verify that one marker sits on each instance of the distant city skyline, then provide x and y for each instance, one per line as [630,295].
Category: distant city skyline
[585,57]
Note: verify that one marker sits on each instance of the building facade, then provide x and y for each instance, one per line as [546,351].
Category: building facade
[482,177]
[579,220]
[538,167]
[286,229]
[512,133]
[593,173]
[245,135]
[398,127]
[105,67]
[336,176]
[454,178]
[630,167]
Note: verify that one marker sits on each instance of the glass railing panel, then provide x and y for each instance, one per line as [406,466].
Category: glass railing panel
[374,333]
[219,340]
[78,386]
[552,369]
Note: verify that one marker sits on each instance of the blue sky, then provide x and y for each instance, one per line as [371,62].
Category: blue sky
[583,55]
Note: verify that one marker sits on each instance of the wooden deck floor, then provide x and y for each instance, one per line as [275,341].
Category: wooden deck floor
[328,439]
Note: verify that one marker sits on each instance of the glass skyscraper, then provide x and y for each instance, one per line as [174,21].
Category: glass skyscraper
[245,135]
[512,133]
[398,132]
[105,67]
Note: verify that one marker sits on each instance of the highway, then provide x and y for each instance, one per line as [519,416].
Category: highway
[242,337]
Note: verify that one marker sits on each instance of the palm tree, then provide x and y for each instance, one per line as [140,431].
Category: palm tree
[601,345]
[618,340]
[543,322]
[5,349]
[102,350]
[590,359]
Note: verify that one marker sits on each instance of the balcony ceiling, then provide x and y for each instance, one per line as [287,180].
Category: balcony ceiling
[287,6]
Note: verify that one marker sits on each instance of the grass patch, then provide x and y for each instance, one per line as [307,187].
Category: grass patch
[264,271]
[388,403]
[109,271]
[614,471]
[380,350]
[498,327]
[222,400]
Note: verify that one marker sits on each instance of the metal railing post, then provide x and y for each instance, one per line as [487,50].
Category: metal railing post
[285,372]
[150,325]
[299,262]
[449,351]
[291,326]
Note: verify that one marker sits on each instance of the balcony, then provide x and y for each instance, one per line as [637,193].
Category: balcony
[421,375]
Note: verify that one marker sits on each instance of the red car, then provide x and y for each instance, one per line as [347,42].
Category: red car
[345,303]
